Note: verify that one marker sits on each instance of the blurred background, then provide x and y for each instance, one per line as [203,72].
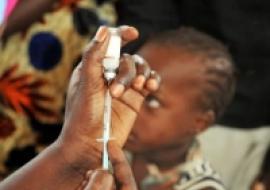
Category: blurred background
[42,41]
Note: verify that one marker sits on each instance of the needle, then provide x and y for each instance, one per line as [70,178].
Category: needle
[106,128]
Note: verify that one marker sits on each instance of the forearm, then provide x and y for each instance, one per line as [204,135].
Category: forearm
[25,13]
[49,170]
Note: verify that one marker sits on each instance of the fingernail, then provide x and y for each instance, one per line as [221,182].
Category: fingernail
[139,82]
[124,27]
[89,173]
[117,90]
[127,27]
[138,59]
[101,34]
[152,85]
[126,56]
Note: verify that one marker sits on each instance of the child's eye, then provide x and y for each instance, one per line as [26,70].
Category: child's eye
[152,102]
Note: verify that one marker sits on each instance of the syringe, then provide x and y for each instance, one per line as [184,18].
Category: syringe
[110,64]
[106,129]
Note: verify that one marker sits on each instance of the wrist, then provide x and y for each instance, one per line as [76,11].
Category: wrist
[80,157]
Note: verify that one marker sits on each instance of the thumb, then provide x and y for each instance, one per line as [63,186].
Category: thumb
[91,69]
[122,171]
[100,180]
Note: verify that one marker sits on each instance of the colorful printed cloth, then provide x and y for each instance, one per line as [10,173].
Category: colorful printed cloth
[34,72]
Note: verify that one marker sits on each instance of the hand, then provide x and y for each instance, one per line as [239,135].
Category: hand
[103,180]
[83,122]
[63,164]
[97,180]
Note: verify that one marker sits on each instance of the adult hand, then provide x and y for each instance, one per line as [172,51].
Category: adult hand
[97,180]
[63,164]
[83,122]
[121,179]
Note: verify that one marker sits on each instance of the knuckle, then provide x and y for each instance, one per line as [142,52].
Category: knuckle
[91,52]
[92,55]
[147,71]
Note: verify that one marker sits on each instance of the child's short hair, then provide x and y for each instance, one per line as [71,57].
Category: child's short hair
[220,77]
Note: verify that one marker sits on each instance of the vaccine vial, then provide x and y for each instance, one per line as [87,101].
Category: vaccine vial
[112,56]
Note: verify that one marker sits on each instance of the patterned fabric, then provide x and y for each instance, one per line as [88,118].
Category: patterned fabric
[35,66]
[194,174]
[198,174]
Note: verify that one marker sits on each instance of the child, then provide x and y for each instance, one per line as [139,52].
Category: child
[197,84]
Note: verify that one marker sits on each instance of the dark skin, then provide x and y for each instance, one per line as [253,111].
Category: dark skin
[103,180]
[261,184]
[25,13]
[169,119]
[29,11]
[262,180]
[64,164]
[258,185]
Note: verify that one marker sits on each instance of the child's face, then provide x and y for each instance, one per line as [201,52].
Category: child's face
[170,116]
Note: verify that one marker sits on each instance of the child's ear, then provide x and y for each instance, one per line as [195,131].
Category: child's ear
[205,119]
